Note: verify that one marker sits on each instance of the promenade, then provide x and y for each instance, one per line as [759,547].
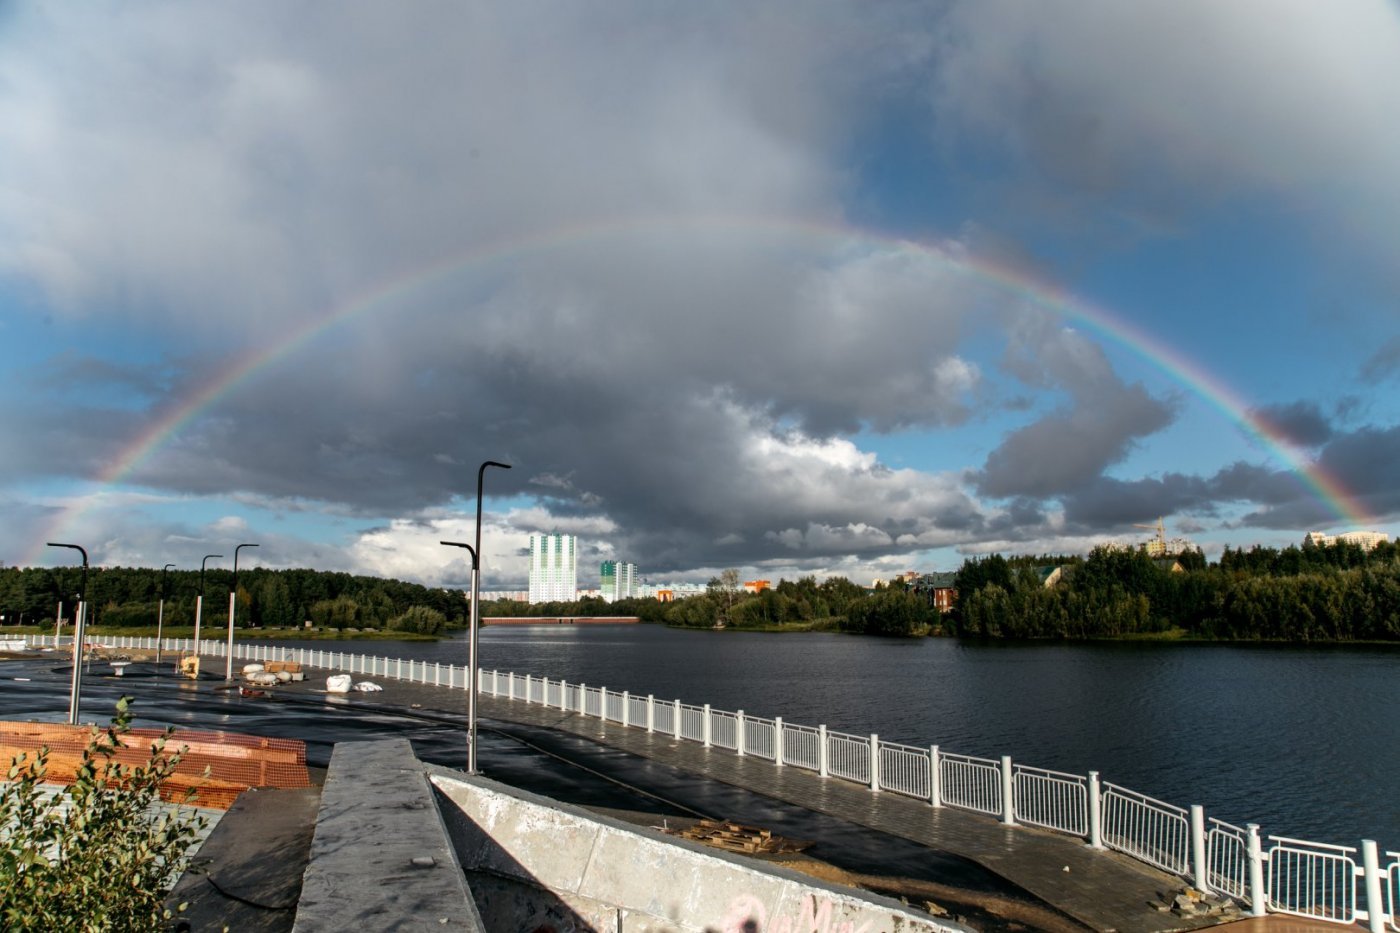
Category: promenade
[1100,890]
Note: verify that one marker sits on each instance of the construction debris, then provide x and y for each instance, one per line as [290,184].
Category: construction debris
[736,837]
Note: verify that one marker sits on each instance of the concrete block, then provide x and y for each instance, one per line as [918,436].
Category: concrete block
[380,857]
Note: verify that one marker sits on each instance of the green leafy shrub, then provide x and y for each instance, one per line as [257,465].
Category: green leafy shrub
[103,859]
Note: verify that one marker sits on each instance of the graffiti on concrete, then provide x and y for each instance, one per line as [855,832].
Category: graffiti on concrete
[748,914]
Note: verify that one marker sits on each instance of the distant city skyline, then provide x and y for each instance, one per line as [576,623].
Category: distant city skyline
[835,289]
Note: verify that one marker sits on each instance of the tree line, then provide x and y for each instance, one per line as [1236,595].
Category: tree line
[130,597]
[834,604]
[1334,593]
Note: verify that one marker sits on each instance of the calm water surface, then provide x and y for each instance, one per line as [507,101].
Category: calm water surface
[1303,741]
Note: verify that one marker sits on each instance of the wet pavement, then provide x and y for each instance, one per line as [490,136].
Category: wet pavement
[548,761]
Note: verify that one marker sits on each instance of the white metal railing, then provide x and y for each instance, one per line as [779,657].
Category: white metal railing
[1391,885]
[804,747]
[1227,859]
[848,756]
[904,769]
[1051,800]
[1292,876]
[1147,829]
[724,730]
[692,722]
[760,737]
[970,783]
[1310,879]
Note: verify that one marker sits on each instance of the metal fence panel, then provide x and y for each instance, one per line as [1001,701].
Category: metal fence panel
[614,710]
[637,711]
[1227,859]
[760,738]
[692,722]
[1309,879]
[802,746]
[1155,832]
[848,756]
[665,717]
[970,783]
[724,729]
[1051,799]
[904,769]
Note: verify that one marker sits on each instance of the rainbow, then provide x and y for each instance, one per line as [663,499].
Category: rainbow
[1320,484]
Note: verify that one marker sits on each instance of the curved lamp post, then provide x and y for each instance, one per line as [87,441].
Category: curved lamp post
[199,606]
[160,616]
[75,694]
[476,616]
[232,606]
[471,679]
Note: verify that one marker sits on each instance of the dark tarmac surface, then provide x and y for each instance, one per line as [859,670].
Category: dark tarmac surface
[553,763]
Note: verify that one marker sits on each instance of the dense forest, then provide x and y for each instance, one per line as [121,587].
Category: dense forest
[128,597]
[1335,593]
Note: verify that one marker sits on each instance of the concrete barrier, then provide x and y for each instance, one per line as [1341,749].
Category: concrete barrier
[534,863]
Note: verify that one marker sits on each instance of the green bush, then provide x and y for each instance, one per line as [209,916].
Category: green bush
[104,860]
[423,619]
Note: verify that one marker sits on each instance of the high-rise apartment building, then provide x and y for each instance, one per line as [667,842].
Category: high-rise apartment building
[619,580]
[553,568]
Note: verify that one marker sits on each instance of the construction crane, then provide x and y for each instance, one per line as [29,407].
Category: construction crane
[1158,546]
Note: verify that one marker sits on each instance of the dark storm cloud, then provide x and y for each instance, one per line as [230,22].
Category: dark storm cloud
[1069,447]
[1109,503]
[1302,422]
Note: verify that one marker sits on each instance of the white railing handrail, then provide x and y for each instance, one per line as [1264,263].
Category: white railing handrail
[1179,840]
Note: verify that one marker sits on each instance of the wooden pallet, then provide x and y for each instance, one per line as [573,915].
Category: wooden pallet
[737,837]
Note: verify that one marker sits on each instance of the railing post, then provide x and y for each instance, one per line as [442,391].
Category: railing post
[823,758]
[563,696]
[1008,793]
[676,718]
[603,703]
[1095,812]
[739,733]
[705,725]
[583,699]
[510,685]
[1258,898]
[651,713]
[626,713]
[874,763]
[544,692]
[935,778]
[1371,868]
[1198,847]
[778,749]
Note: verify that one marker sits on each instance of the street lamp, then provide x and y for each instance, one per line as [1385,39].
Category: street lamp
[78,625]
[160,616]
[232,605]
[471,679]
[199,609]
[475,622]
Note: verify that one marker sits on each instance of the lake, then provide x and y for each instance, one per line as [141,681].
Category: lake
[1304,741]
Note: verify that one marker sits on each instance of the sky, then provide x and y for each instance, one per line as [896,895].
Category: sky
[788,287]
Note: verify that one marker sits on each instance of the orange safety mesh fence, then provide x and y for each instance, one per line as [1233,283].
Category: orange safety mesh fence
[218,766]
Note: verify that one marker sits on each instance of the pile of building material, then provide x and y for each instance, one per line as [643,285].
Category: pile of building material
[215,766]
[736,837]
